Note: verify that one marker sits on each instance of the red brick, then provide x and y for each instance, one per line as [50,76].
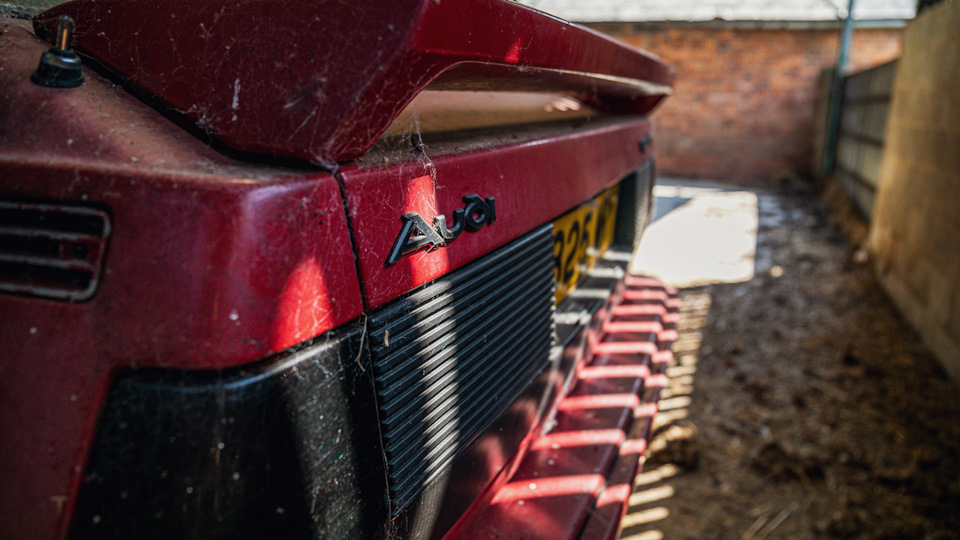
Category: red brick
[744,101]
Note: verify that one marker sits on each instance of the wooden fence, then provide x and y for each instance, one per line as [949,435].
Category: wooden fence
[860,141]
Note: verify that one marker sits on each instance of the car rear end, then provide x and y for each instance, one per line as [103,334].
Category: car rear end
[324,271]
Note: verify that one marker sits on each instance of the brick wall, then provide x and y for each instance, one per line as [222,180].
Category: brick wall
[915,232]
[744,102]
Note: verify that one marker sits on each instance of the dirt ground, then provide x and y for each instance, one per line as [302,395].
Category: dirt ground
[800,404]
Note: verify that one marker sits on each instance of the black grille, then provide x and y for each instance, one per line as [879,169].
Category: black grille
[450,357]
[50,250]
[635,206]
[644,195]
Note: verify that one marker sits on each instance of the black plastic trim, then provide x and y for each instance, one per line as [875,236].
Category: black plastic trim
[449,358]
[288,448]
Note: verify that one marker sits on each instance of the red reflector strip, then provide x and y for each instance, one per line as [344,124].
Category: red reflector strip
[611,372]
[656,381]
[549,487]
[663,358]
[639,309]
[578,438]
[645,294]
[645,410]
[599,402]
[631,326]
[626,347]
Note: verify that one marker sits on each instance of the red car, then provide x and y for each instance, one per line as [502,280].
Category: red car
[323,270]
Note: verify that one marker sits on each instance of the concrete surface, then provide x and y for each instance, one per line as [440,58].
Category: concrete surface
[701,233]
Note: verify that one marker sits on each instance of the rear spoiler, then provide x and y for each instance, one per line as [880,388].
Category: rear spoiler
[320,81]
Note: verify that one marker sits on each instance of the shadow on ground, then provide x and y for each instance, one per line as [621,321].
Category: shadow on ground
[799,405]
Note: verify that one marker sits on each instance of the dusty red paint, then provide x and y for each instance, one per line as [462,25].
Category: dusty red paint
[532,183]
[215,262]
[211,263]
[320,82]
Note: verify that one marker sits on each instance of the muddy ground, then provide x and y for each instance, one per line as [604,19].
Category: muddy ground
[800,404]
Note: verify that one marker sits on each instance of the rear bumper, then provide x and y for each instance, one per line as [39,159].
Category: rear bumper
[574,480]
[298,460]
[472,404]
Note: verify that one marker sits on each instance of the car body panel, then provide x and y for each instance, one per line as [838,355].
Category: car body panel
[244,227]
[322,81]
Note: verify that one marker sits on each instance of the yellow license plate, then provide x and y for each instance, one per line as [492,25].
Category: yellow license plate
[579,236]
